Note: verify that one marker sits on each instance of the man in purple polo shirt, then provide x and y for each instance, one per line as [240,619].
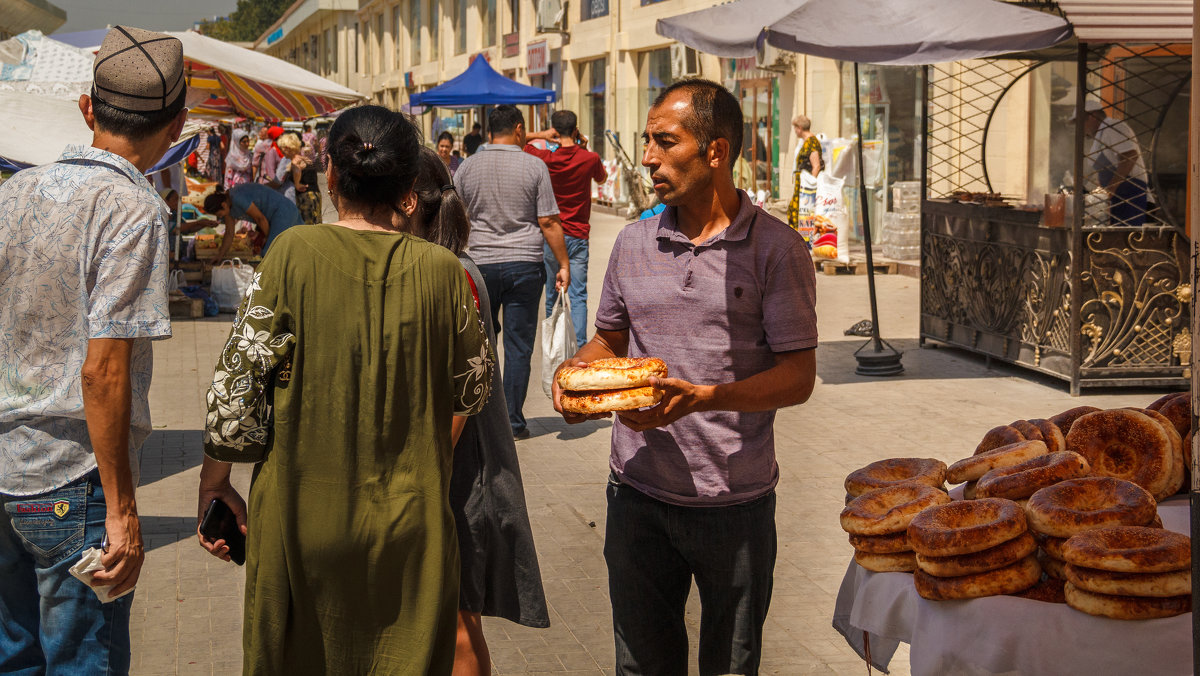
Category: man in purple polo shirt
[725,295]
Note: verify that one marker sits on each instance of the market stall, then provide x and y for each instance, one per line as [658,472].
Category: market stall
[1017,186]
[875,612]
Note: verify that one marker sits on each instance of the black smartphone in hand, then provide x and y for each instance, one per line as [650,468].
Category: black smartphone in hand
[219,523]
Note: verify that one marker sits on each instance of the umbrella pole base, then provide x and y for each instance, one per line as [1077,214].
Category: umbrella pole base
[872,362]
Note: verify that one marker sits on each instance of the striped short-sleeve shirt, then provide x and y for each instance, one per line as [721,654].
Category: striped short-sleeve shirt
[506,191]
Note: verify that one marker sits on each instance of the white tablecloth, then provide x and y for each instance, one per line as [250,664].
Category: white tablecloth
[1005,634]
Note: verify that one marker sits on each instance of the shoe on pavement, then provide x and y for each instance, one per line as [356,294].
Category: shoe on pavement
[523,434]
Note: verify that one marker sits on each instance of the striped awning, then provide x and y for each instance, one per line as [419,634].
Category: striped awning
[230,94]
[1122,21]
[242,82]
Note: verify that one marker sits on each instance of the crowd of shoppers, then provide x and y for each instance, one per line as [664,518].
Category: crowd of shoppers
[387,514]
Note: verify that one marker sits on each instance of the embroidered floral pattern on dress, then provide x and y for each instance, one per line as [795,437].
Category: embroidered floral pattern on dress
[239,416]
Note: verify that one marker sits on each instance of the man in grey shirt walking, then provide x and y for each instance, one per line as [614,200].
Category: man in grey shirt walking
[512,208]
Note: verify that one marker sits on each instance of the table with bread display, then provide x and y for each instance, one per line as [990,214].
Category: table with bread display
[1063,548]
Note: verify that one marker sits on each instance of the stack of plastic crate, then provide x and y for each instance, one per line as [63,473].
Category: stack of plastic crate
[901,237]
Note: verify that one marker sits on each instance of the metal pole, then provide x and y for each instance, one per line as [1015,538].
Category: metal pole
[924,193]
[878,361]
[864,204]
[179,212]
[1194,213]
[1076,283]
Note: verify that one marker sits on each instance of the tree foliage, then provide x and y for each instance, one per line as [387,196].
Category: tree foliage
[247,22]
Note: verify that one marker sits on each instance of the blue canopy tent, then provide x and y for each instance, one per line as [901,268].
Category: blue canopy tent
[480,85]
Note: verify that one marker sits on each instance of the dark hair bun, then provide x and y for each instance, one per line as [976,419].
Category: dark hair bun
[374,151]
[370,161]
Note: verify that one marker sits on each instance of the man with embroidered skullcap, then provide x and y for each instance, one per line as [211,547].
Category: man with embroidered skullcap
[83,291]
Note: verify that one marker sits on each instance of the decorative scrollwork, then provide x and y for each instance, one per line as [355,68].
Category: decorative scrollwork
[1133,306]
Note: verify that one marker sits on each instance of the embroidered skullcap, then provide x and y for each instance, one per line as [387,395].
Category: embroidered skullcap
[138,71]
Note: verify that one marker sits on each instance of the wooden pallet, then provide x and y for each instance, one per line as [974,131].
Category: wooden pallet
[856,268]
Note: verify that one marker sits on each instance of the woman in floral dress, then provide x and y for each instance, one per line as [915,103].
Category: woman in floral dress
[354,348]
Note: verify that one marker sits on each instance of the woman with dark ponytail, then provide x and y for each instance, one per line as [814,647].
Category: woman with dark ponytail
[500,573]
[354,349]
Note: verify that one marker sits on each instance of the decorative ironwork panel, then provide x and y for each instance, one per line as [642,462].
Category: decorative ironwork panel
[1135,299]
[1001,288]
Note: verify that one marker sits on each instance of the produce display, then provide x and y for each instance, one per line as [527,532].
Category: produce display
[207,246]
[1062,509]
[605,385]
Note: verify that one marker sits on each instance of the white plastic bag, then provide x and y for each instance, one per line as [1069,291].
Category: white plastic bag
[558,340]
[175,281]
[830,217]
[230,280]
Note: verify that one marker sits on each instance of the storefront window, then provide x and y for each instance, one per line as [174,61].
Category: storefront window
[460,28]
[891,126]
[380,63]
[414,31]
[591,117]
[593,9]
[330,51]
[435,15]
[760,131]
[656,76]
[489,26]
[397,31]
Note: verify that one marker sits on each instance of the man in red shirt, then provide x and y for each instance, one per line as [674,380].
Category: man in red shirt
[572,169]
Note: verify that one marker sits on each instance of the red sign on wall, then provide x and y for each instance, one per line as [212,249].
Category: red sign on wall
[512,44]
[537,58]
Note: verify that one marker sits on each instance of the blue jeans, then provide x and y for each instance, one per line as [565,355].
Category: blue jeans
[516,287]
[577,254]
[654,549]
[51,623]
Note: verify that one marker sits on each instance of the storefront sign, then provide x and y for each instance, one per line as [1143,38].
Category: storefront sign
[275,36]
[537,58]
[512,44]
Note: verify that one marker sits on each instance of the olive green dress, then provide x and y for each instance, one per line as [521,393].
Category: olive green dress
[346,361]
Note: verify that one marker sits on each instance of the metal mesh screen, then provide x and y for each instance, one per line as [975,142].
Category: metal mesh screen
[1135,158]
[962,97]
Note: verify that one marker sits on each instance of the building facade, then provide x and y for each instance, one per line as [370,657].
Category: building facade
[603,58]
[316,35]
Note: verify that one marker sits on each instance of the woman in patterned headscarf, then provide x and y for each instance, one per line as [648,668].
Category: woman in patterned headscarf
[238,167]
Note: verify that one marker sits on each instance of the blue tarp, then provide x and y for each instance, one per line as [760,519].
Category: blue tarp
[481,85]
[174,156]
[82,39]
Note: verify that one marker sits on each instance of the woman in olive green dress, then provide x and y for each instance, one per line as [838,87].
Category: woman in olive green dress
[354,347]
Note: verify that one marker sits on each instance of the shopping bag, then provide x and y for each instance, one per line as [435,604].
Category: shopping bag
[174,281]
[558,340]
[830,216]
[230,280]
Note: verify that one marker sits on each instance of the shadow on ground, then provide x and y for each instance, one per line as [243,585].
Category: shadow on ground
[160,531]
[836,363]
[170,452]
[554,424]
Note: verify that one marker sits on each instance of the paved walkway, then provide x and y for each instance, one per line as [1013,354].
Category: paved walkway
[187,613]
